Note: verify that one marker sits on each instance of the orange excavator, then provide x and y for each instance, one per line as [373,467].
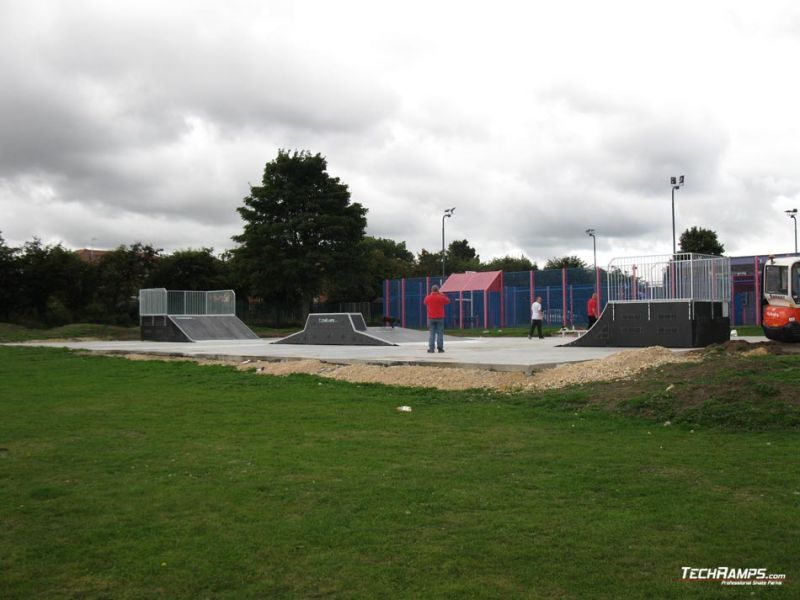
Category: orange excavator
[781,292]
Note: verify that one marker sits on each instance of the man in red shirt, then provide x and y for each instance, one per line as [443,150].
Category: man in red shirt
[435,303]
[592,310]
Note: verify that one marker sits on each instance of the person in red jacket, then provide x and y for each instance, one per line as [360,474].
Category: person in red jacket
[592,310]
[435,303]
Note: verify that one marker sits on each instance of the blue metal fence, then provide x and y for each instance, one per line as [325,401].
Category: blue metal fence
[564,292]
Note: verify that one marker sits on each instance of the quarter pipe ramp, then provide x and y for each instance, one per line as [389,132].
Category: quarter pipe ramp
[194,328]
[672,324]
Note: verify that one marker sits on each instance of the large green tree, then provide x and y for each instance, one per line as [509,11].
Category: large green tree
[191,270]
[9,279]
[702,241]
[565,262]
[511,264]
[378,259]
[301,231]
[120,275]
[462,257]
[55,284]
[429,263]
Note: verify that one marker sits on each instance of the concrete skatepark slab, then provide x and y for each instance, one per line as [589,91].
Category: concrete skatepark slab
[501,354]
[349,329]
[401,335]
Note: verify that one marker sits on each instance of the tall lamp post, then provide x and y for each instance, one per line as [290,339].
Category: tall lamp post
[593,234]
[792,214]
[448,212]
[677,183]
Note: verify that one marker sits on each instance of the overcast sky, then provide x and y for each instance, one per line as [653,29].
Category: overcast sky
[146,121]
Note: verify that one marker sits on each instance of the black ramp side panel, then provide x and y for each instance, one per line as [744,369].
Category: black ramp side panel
[673,324]
[203,328]
[629,325]
[600,333]
[711,327]
[335,329]
[358,321]
[161,329]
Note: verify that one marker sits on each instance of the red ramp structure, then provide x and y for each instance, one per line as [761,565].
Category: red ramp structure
[478,298]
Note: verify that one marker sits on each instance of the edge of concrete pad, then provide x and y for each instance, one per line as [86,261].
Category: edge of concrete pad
[240,358]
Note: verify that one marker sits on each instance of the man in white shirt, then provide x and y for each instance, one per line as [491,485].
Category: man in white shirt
[536,317]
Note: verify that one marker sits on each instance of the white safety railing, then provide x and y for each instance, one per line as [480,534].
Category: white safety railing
[669,277]
[160,301]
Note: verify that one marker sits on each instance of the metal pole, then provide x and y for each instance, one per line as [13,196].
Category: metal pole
[596,272]
[673,220]
[448,212]
[403,302]
[794,218]
[443,217]
[758,288]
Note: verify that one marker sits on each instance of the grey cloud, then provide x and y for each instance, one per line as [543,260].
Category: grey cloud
[105,103]
[151,120]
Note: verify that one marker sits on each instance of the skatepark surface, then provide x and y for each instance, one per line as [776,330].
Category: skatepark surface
[498,353]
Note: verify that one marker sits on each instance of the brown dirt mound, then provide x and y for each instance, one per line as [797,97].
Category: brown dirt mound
[741,347]
[622,365]
[412,376]
[625,365]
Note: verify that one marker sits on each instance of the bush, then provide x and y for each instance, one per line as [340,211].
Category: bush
[56,313]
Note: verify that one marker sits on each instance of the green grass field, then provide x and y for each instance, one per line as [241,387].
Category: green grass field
[123,479]
[18,333]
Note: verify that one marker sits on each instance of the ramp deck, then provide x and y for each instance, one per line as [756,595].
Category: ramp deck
[195,328]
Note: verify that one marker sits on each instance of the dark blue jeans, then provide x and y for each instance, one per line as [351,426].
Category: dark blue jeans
[436,333]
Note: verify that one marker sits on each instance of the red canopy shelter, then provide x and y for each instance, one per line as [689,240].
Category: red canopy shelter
[487,281]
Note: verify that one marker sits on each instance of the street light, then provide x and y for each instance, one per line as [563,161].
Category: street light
[591,233]
[792,214]
[676,184]
[448,212]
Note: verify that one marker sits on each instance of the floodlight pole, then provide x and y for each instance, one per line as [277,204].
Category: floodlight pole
[448,212]
[591,233]
[792,214]
[676,185]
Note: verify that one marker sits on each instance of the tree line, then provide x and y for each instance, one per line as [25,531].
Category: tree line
[302,237]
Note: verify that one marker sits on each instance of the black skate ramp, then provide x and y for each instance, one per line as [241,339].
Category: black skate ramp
[335,329]
[195,328]
[672,324]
